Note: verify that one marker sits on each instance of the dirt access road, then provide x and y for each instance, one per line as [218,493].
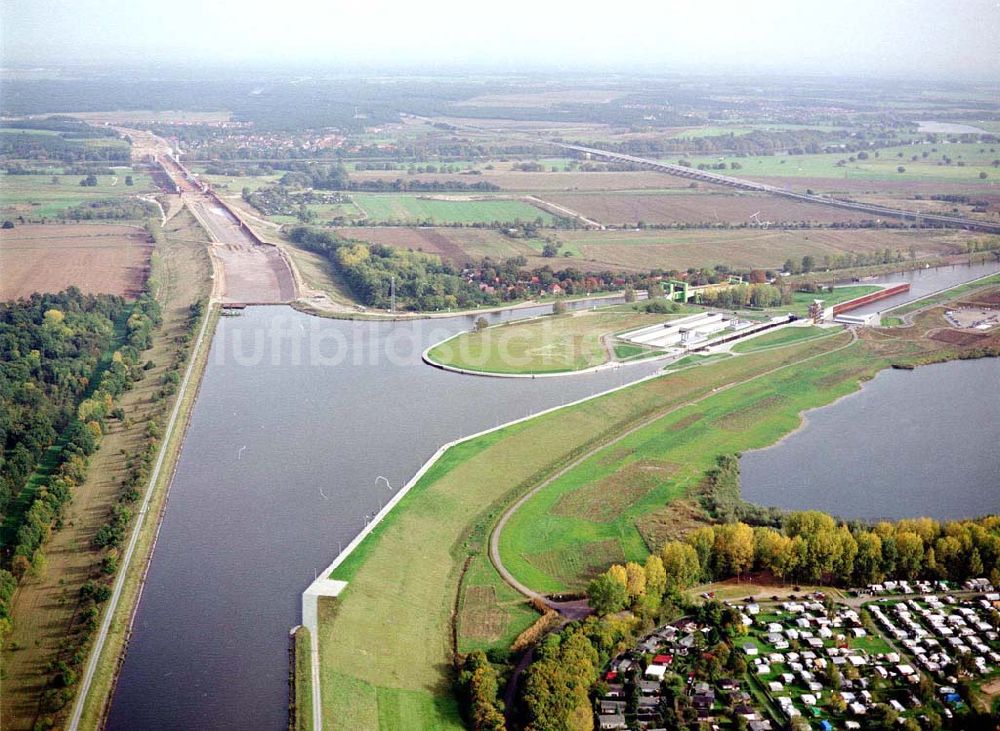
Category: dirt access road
[246,270]
[249,272]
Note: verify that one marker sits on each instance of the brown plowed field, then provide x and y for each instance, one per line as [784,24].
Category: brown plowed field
[670,249]
[457,245]
[742,248]
[698,208]
[957,337]
[96,258]
[988,300]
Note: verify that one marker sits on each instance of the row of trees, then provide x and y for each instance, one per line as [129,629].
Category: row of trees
[556,691]
[847,260]
[809,546]
[747,295]
[119,209]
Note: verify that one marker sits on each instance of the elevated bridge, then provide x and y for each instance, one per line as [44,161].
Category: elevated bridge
[706,176]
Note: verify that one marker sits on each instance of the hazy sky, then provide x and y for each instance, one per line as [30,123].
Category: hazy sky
[914,37]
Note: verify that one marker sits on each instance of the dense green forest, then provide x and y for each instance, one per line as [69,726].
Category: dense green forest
[423,282]
[64,360]
[49,347]
[61,139]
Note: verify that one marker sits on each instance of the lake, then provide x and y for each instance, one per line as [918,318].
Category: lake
[909,443]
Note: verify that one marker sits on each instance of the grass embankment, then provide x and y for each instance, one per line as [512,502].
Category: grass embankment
[302,687]
[611,507]
[318,274]
[46,605]
[778,338]
[406,575]
[560,343]
[696,359]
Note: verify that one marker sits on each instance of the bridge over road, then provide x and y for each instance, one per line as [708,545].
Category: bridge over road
[706,176]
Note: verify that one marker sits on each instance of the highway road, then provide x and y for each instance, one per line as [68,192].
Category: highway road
[706,176]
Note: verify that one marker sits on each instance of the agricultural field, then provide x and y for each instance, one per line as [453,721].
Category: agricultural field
[37,197]
[390,207]
[700,208]
[643,250]
[974,159]
[567,342]
[742,248]
[973,207]
[91,143]
[234,184]
[153,116]
[457,245]
[96,258]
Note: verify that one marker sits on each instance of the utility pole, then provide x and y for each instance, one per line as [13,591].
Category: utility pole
[392,293]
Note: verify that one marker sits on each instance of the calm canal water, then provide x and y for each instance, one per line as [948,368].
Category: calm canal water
[924,282]
[910,443]
[297,421]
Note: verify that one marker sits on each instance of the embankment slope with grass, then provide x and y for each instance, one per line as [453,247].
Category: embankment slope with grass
[550,344]
[385,642]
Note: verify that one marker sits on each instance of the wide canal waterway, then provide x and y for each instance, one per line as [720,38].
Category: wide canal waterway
[910,443]
[299,424]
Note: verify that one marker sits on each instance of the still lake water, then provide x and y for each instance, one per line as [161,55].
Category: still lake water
[910,443]
[296,420]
